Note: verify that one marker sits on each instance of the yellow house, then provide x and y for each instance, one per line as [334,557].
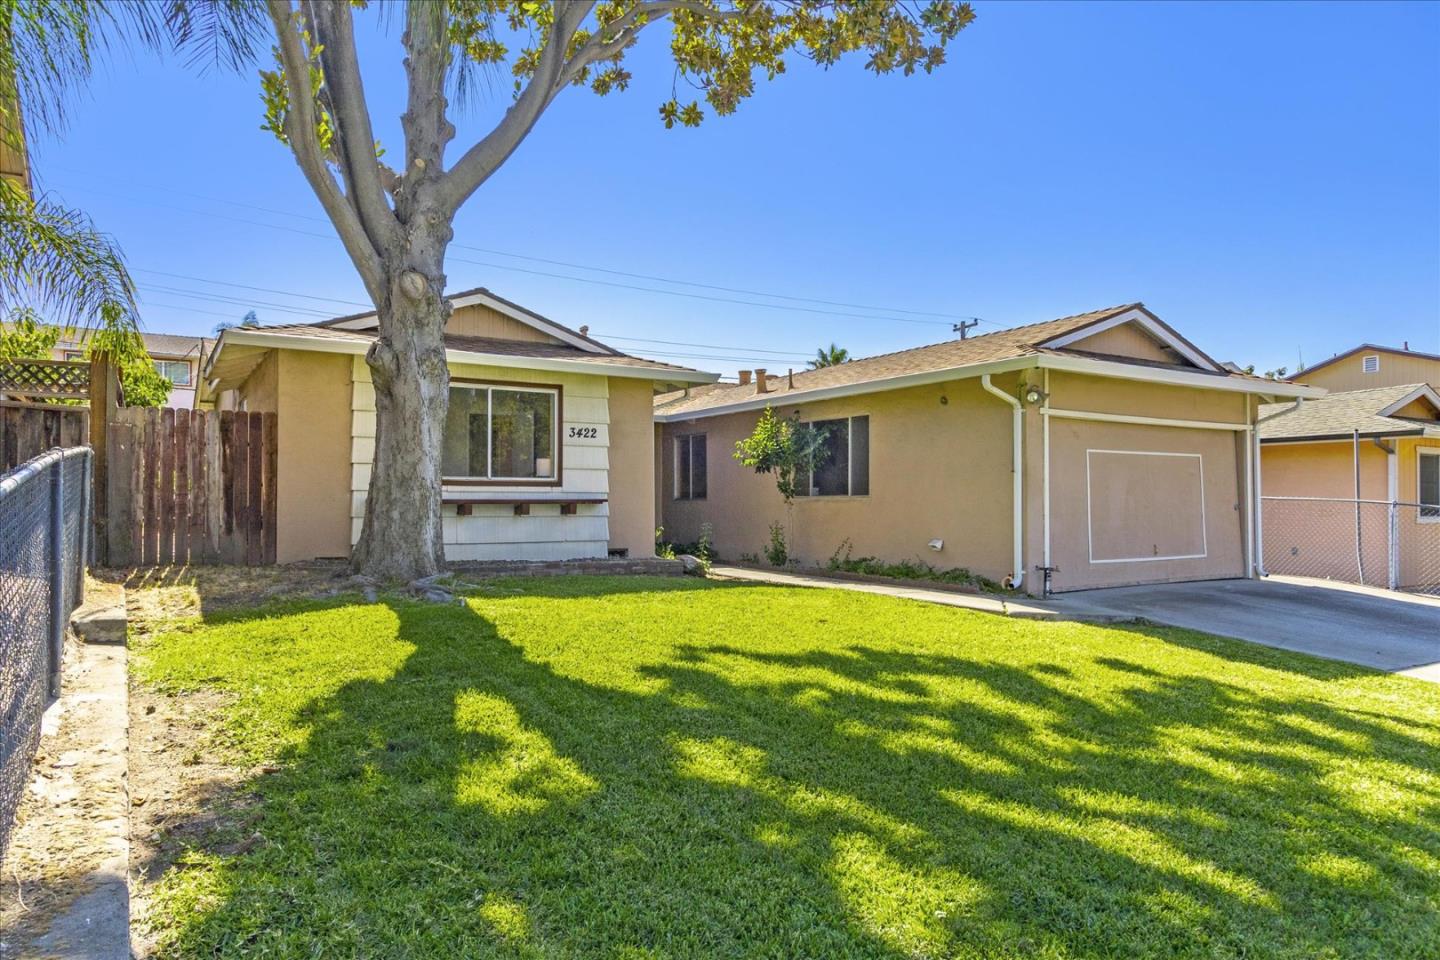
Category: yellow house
[548,444]
[1351,481]
[1095,450]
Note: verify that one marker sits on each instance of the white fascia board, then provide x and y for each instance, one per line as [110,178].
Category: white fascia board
[1424,390]
[281,341]
[1183,378]
[1143,319]
[852,389]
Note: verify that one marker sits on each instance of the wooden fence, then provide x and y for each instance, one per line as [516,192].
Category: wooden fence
[29,429]
[190,486]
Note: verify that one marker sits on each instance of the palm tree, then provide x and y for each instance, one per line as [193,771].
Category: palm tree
[831,356]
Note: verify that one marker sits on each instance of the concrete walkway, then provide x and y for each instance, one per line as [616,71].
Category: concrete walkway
[1022,607]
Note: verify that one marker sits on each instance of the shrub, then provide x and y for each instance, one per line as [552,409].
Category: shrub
[775,551]
[842,561]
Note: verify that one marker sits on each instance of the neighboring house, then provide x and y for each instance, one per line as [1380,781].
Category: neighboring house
[178,358]
[1331,469]
[1104,446]
[1368,366]
[548,444]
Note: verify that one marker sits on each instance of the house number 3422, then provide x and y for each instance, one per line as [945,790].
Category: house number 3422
[585,433]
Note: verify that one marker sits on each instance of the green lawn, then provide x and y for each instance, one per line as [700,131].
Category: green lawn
[628,768]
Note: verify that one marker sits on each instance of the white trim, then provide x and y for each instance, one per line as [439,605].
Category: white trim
[1248,442]
[1142,318]
[1366,366]
[1017,469]
[281,341]
[370,321]
[1142,421]
[1089,528]
[1045,465]
[1259,505]
[1083,365]
[1423,390]
[1420,454]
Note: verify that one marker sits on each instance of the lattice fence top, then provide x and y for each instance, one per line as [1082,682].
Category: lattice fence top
[46,378]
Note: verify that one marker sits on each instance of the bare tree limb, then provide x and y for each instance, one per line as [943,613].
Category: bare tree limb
[427,55]
[300,132]
[336,34]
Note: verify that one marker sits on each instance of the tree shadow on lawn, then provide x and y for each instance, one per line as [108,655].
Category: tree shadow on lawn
[498,793]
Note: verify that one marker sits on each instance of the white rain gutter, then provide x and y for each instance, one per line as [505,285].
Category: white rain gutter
[1017,503]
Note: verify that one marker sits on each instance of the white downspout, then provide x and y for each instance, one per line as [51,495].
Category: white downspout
[1259,505]
[1045,479]
[1017,502]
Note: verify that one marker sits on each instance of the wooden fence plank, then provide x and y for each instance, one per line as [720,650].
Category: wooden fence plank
[272,488]
[165,487]
[214,490]
[184,448]
[240,502]
[120,530]
[151,458]
[195,537]
[227,484]
[254,491]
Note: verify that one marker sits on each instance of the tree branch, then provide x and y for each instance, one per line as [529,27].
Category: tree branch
[426,58]
[300,127]
[336,34]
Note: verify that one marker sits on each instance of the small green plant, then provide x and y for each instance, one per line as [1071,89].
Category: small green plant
[841,561]
[663,550]
[752,558]
[705,546]
[775,550]
[785,447]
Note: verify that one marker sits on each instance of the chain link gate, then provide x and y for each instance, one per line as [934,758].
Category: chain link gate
[44,547]
[1377,543]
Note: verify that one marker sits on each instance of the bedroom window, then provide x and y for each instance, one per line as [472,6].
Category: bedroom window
[690,472]
[176,371]
[501,434]
[1429,486]
[844,469]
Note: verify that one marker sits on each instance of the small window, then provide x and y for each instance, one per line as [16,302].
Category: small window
[1429,485]
[1370,364]
[73,355]
[176,371]
[500,433]
[690,467]
[843,468]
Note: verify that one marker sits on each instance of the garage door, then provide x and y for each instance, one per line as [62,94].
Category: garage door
[1143,504]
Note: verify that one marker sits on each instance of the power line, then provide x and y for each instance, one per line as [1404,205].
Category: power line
[641,276]
[751,352]
[239,302]
[243,286]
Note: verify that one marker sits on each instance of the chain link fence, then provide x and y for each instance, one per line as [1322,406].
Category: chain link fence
[1377,543]
[44,544]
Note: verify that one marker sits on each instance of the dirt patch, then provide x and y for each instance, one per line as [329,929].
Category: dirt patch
[184,793]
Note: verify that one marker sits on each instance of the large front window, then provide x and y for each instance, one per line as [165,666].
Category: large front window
[501,433]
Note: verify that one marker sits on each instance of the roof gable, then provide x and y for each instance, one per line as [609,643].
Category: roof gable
[1367,348]
[1370,413]
[1138,320]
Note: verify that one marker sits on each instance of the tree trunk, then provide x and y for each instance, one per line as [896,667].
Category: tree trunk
[401,538]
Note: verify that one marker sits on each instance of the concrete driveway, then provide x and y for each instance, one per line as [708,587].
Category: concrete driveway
[1374,628]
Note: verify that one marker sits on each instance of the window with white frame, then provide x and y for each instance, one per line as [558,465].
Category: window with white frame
[843,462]
[501,433]
[690,467]
[176,371]
[1370,364]
[1429,487]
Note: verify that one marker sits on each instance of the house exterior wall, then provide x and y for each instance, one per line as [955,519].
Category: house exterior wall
[1396,368]
[937,470]
[1125,340]
[312,455]
[260,393]
[493,532]
[943,470]
[632,449]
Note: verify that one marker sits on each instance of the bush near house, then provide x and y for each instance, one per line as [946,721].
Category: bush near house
[685,769]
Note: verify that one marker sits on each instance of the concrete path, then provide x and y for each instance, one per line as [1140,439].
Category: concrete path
[1022,607]
[1374,628]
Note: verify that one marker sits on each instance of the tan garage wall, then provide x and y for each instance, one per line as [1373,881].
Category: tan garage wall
[939,468]
[1169,497]
[632,466]
[313,455]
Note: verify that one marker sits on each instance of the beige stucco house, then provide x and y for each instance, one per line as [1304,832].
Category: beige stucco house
[1351,481]
[1104,447]
[548,447]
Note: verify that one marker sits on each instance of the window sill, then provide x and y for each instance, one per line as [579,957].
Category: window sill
[833,496]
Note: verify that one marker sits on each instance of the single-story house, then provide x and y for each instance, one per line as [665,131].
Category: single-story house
[1094,450]
[549,444]
[1330,470]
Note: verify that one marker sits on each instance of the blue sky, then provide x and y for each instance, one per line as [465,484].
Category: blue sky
[1266,177]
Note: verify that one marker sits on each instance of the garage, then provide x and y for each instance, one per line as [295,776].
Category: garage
[1135,503]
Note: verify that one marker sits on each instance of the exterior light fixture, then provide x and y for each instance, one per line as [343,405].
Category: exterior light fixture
[1035,395]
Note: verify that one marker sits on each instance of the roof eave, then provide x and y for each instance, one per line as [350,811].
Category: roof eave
[1350,434]
[1209,381]
[280,341]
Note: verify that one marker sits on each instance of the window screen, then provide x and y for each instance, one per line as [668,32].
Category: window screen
[690,467]
[1430,486]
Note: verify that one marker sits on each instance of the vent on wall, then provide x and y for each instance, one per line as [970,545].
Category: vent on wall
[1370,364]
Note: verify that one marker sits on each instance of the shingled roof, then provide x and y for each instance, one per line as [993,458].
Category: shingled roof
[1028,340]
[1340,415]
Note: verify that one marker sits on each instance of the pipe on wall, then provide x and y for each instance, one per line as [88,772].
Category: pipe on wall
[1017,497]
